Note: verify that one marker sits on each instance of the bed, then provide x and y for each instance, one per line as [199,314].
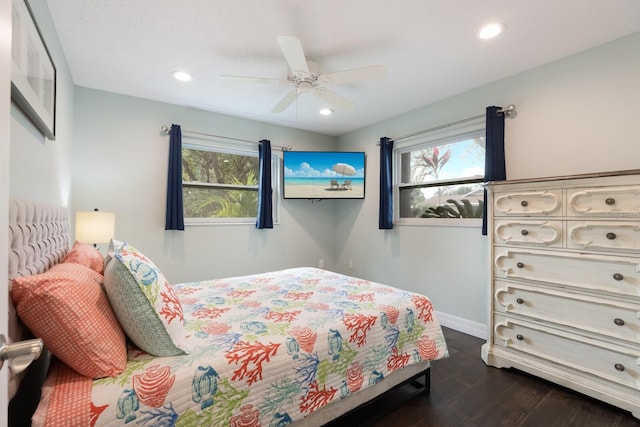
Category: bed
[301,346]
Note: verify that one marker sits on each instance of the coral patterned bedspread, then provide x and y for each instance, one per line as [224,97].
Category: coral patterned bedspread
[267,349]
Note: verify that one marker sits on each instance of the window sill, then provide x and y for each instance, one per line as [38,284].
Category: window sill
[439,222]
[222,221]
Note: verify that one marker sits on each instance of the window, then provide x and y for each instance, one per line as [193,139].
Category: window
[220,184]
[441,178]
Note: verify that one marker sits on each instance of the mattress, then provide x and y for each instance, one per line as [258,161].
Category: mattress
[266,349]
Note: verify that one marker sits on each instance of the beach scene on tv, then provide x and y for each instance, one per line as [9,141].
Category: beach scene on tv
[324,175]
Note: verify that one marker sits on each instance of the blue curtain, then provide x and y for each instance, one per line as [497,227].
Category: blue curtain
[385,220]
[175,212]
[265,203]
[494,165]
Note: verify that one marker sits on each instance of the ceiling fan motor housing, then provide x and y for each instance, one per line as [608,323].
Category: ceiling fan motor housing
[303,80]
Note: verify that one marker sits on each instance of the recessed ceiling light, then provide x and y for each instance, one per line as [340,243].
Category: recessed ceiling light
[326,111]
[182,76]
[490,31]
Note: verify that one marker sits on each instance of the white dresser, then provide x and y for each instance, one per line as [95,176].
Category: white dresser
[565,283]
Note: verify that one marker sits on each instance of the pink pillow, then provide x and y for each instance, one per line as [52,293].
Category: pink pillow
[87,255]
[67,307]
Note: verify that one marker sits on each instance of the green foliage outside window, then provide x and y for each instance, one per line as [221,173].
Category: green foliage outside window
[458,209]
[219,185]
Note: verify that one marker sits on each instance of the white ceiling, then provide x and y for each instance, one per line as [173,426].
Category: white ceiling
[429,48]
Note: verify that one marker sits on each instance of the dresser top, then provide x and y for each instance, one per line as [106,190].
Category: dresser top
[569,177]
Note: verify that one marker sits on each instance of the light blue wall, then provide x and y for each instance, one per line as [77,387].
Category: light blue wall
[576,115]
[120,165]
[41,169]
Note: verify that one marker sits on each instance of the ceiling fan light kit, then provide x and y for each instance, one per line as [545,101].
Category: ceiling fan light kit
[305,77]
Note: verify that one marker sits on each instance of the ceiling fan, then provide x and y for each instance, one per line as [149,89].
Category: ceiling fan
[305,77]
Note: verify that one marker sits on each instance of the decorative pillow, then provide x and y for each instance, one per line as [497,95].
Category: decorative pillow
[69,310]
[85,254]
[146,305]
[114,246]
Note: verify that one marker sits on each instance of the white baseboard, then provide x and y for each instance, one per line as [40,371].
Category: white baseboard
[469,327]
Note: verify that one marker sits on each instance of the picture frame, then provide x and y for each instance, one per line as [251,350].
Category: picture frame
[33,72]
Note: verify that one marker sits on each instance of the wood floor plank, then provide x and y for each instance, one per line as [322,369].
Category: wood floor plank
[522,396]
[555,410]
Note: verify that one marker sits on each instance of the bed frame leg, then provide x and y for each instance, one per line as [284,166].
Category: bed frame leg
[427,382]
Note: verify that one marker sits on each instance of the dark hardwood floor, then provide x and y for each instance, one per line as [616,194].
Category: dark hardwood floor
[466,392]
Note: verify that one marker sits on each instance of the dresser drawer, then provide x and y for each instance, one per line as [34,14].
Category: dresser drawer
[536,233]
[528,203]
[621,201]
[608,361]
[607,235]
[618,275]
[598,315]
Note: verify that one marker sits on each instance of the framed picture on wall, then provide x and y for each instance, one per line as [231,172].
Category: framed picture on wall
[33,73]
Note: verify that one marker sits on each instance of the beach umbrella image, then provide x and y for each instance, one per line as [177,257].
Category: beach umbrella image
[344,169]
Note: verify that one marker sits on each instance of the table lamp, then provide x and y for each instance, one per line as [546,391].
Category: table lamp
[95,227]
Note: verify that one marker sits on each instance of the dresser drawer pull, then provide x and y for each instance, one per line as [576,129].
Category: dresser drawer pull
[611,236]
[520,265]
[619,367]
[618,321]
[524,203]
[519,300]
[617,276]
[521,338]
[610,201]
[524,232]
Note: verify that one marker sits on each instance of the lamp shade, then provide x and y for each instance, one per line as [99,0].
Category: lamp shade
[95,227]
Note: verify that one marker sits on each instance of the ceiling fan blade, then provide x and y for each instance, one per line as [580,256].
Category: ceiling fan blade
[350,76]
[334,99]
[294,54]
[254,79]
[286,101]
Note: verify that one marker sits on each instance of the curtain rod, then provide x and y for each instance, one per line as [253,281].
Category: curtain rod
[510,111]
[166,129]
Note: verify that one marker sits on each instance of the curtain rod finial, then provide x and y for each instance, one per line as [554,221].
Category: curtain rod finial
[165,129]
[509,112]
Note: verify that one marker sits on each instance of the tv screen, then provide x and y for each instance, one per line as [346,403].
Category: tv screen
[323,175]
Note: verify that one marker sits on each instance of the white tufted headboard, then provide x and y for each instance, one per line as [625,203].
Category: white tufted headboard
[38,239]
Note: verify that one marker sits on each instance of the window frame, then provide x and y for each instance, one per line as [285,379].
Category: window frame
[233,148]
[472,128]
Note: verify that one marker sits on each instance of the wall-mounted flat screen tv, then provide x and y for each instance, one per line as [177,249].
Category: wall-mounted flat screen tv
[323,175]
